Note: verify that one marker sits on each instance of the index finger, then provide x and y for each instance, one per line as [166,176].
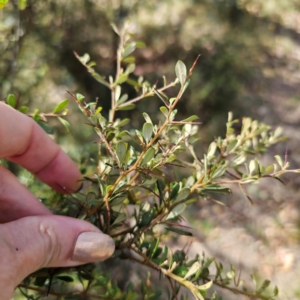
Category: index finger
[24,142]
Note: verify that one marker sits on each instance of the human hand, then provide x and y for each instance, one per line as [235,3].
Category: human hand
[31,237]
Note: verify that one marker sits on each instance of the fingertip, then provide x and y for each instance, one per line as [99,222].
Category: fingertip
[61,174]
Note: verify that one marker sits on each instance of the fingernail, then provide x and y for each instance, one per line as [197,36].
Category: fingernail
[93,247]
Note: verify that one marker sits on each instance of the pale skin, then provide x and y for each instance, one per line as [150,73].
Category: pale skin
[31,237]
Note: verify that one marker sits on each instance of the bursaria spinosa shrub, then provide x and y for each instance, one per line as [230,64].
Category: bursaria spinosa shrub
[130,190]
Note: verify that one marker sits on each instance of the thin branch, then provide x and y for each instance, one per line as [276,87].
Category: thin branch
[147,94]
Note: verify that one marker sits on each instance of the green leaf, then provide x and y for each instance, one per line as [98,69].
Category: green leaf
[193,270]
[117,93]
[127,107]
[279,160]
[190,119]
[79,97]
[185,87]
[120,218]
[164,110]
[216,189]
[275,291]
[65,123]
[130,68]
[211,150]
[252,166]
[46,127]
[206,286]
[147,118]
[62,105]
[65,278]
[148,156]
[264,286]
[122,99]
[180,71]
[129,59]
[85,58]
[184,193]
[179,231]
[121,151]
[123,122]
[129,48]
[176,211]
[23,109]
[117,200]
[147,131]
[122,78]
[174,191]
[100,79]
[115,28]
[11,100]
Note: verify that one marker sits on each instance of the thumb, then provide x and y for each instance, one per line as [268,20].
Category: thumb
[36,242]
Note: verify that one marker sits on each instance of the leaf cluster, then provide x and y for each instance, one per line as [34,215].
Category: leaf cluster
[133,195]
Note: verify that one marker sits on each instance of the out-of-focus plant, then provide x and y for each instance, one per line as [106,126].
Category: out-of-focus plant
[131,192]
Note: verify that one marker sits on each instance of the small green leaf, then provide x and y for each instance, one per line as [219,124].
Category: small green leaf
[65,123]
[279,160]
[148,156]
[117,93]
[79,97]
[122,99]
[129,48]
[65,278]
[180,70]
[23,109]
[211,150]
[276,291]
[147,118]
[46,127]
[190,119]
[206,286]
[62,105]
[117,200]
[85,58]
[164,110]
[193,270]
[130,68]
[120,218]
[179,231]
[100,79]
[123,122]
[174,191]
[122,78]
[185,87]
[115,28]
[121,151]
[176,211]
[252,166]
[147,131]
[264,286]
[184,193]
[129,59]
[127,107]
[11,100]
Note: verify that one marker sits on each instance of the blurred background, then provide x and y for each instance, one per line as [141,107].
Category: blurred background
[249,64]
